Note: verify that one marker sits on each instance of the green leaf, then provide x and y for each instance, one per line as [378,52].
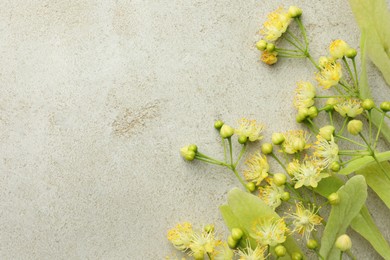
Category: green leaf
[363,162]
[373,18]
[378,180]
[352,198]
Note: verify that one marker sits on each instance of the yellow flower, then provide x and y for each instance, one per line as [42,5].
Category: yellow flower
[326,151]
[203,243]
[295,141]
[250,129]
[350,107]
[271,194]
[181,236]
[307,173]
[252,254]
[338,49]
[330,72]
[257,168]
[305,220]
[222,252]
[277,23]
[269,57]
[269,231]
[304,95]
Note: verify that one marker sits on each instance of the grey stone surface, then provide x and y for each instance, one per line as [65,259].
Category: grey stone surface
[97,97]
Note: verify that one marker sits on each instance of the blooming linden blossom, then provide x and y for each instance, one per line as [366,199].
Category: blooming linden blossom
[181,236]
[271,194]
[304,95]
[304,220]
[330,73]
[307,173]
[249,254]
[203,242]
[269,231]
[295,141]
[269,57]
[350,107]
[257,168]
[250,129]
[277,23]
[326,151]
[222,252]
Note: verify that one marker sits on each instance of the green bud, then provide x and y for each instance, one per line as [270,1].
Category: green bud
[313,112]
[237,234]
[327,132]
[299,144]
[344,242]
[226,131]
[270,47]
[193,147]
[261,45]
[280,179]
[294,11]
[331,101]
[355,127]
[334,198]
[368,104]
[266,148]
[187,153]
[198,255]
[231,242]
[251,186]
[329,108]
[296,256]
[285,196]
[218,124]
[280,251]
[209,228]
[351,53]
[303,113]
[277,138]
[385,106]
[312,244]
[242,139]
[335,166]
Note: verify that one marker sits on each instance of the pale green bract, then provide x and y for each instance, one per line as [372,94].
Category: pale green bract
[364,162]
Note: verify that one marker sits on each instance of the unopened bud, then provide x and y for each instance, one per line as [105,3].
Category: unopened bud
[355,127]
[296,256]
[231,242]
[198,255]
[280,179]
[385,106]
[327,132]
[193,147]
[237,234]
[277,138]
[261,45]
[334,198]
[267,148]
[312,244]
[368,104]
[280,251]
[329,108]
[226,131]
[344,242]
[209,228]
[299,144]
[331,101]
[251,186]
[294,11]
[270,47]
[285,196]
[242,139]
[303,113]
[313,112]
[187,153]
[351,53]
[335,166]
[218,124]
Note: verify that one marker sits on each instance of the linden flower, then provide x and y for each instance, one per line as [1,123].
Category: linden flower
[257,168]
[304,95]
[250,129]
[350,107]
[277,23]
[338,49]
[330,73]
[269,231]
[307,173]
[295,141]
[252,254]
[326,151]
[181,236]
[271,194]
[203,243]
[269,58]
[305,220]
[222,252]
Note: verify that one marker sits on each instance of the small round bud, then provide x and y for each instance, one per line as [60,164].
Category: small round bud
[331,101]
[267,148]
[313,112]
[312,244]
[385,106]
[226,131]
[218,124]
[251,186]
[270,47]
[299,144]
[261,45]
[198,255]
[335,166]
[344,242]
[296,256]
[242,139]
[277,138]
[303,113]
[355,127]
[328,108]
[209,228]
[334,198]
[368,104]
[280,179]
[327,132]
[231,242]
[280,251]
[187,153]
[237,234]
[193,147]
[294,11]
[285,196]
[351,53]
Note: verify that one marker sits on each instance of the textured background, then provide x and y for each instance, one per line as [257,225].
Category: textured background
[97,97]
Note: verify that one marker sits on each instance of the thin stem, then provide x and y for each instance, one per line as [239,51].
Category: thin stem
[294,44]
[231,150]
[239,177]
[353,159]
[240,155]
[313,124]
[210,161]
[295,38]
[350,72]
[280,163]
[349,253]
[303,30]
[342,128]
[331,118]
[355,70]
[224,149]
[350,140]
[379,129]
[370,127]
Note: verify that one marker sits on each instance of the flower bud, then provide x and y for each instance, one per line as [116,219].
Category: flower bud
[231,242]
[242,139]
[280,251]
[344,242]
[385,106]
[266,148]
[280,179]
[299,144]
[334,198]
[296,256]
[338,49]
[251,186]
[218,124]
[327,132]
[285,196]
[277,138]
[198,255]
[294,11]
[270,47]
[226,131]
[335,166]
[261,45]
[193,147]
[355,127]
[187,153]
[312,112]
[368,104]
[328,108]
[209,228]
[331,101]
[237,234]
[351,53]
[312,244]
